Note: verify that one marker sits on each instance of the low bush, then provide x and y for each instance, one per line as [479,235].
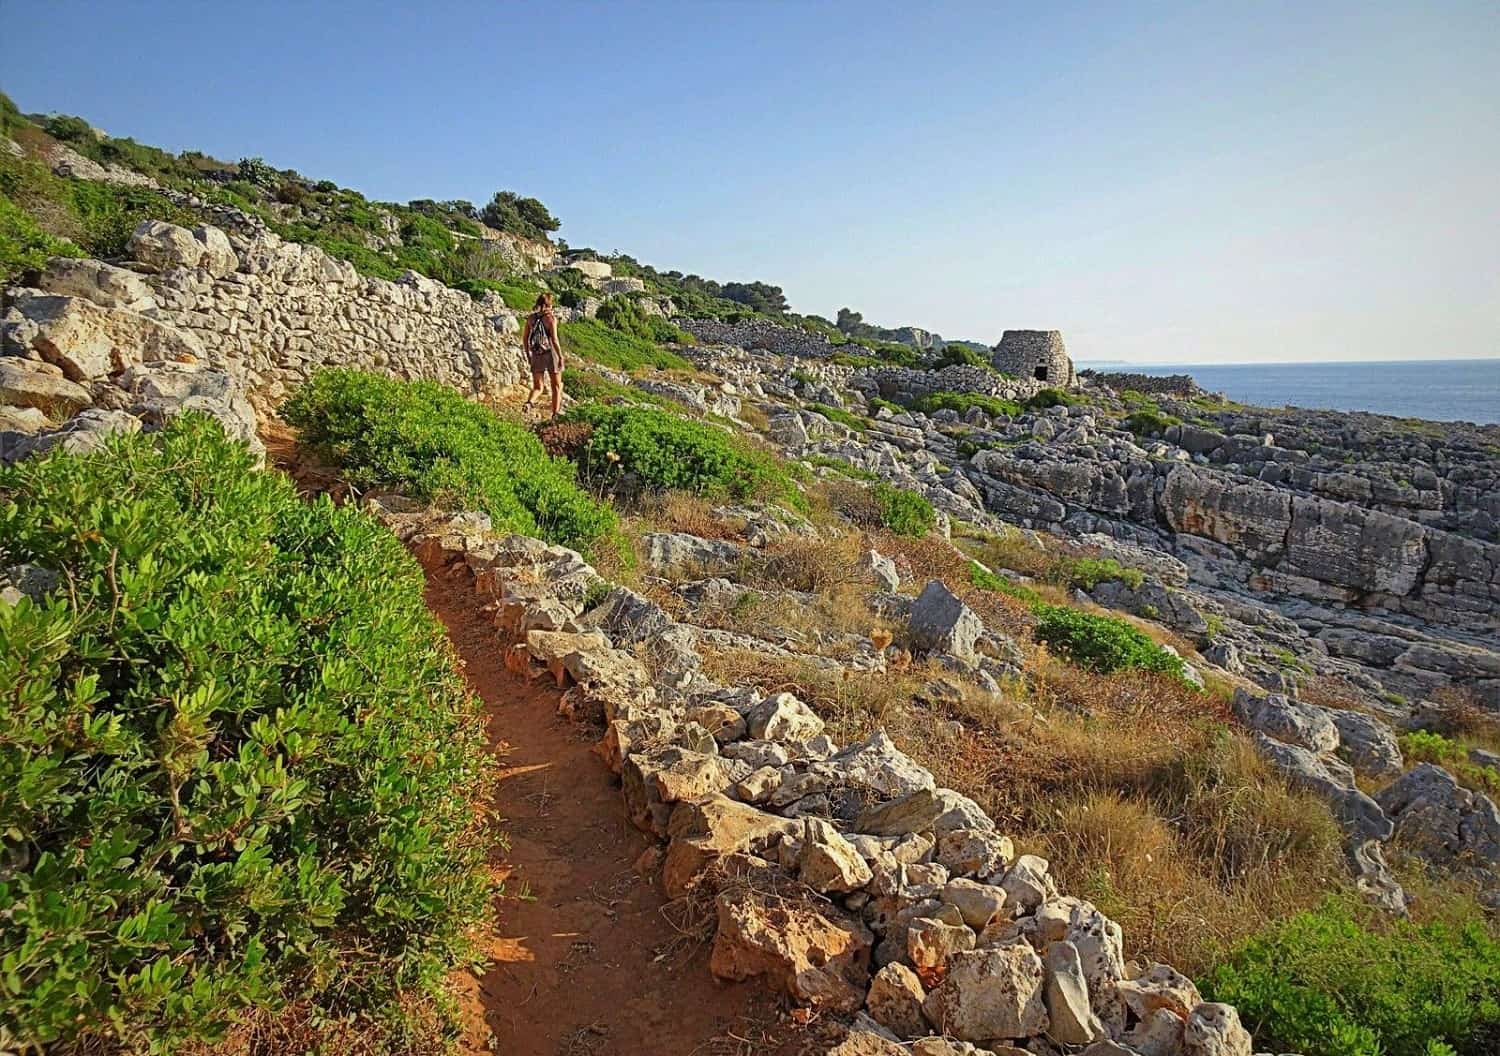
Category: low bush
[1102,643]
[624,314]
[962,402]
[1051,397]
[1150,423]
[884,506]
[429,441]
[666,451]
[1088,572]
[839,466]
[843,417]
[1424,746]
[961,355]
[984,579]
[1325,984]
[237,766]
[876,403]
[591,340]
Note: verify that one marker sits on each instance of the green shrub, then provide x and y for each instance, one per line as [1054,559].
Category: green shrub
[24,246]
[1325,984]
[431,442]
[904,512]
[984,579]
[876,403]
[624,314]
[1051,397]
[668,452]
[587,386]
[592,340]
[1150,423]
[963,401]
[1089,572]
[1101,643]
[237,766]
[1423,746]
[841,467]
[961,355]
[843,417]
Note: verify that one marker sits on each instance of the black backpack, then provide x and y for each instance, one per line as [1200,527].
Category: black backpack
[538,341]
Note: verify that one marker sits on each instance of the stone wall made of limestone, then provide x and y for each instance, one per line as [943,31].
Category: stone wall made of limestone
[758,334]
[276,311]
[902,383]
[1150,384]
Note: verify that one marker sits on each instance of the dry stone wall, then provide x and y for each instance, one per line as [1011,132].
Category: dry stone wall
[761,335]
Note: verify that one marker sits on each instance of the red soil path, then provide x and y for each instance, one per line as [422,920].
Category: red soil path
[586,958]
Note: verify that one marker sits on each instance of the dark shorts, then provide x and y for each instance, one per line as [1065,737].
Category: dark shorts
[544,362]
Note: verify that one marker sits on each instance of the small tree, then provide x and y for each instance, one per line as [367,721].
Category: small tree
[508,211]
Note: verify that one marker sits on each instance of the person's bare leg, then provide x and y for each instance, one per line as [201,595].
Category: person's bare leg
[536,387]
[556,377]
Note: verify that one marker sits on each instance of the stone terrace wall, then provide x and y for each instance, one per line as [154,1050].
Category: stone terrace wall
[1150,384]
[902,383]
[783,340]
[275,311]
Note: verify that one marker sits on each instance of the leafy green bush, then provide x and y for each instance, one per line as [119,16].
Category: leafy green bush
[624,314]
[1051,397]
[237,766]
[430,441]
[24,246]
[1424,746]
[1325,984]
[961,356]
[1089,572]
[984,579]
[904,512]
[963,401]
[843,417]
[876,403]
[1101,643]
[667,452]
[1150,423]
[592,340]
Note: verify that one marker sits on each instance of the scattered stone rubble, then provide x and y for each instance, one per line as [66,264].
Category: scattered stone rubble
[844,877]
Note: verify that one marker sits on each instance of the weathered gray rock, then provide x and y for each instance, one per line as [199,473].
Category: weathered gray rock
[880,569]
[782,717]
[977,903]
[679,555]
[103,284]
[1441,819]
[1289,721]
[1066,994]
[942,623]
[1366,743]
[877,765]
[1359,815]
[1213,1029]
[1027,883]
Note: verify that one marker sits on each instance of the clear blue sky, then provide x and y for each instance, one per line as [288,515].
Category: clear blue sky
[1163,182]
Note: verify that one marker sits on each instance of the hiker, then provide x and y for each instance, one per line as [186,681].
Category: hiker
[539,339]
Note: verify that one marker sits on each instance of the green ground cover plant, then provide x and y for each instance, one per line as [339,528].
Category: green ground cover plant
[843,417]
[667,452]
[902,511]
[625,315]
[429,441]
[1088,572]
[841,467]
[984,579]
[1052,397]
[592,340]
[1101,643]
[237,765]
[1325,983]
[1425,746]
[962,402]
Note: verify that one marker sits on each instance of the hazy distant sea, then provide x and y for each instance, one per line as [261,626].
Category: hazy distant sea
[1466,390]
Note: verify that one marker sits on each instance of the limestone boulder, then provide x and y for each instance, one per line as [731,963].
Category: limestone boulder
[877,765]
[930,942]
[1027,883]
[990,993]
[879,569]
[1367,744]
[98,282]
[935,810]
[29,383]
[782,717]
[895,1001]
[977,903]
[87,341]
[1358,814]
[1214,1029]
[704,830]
[1289,721]
[1066,994]
[942,623]
[813,953]
[1160,986]
[974,852]
[678,555]
[828,863]
[1441,819]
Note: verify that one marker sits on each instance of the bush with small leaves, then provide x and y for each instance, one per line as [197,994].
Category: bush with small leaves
[1101,643]
[429,441]
[237,765]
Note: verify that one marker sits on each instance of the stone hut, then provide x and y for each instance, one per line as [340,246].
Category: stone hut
[1035,354]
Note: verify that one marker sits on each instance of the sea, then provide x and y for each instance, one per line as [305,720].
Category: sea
[1441,390]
